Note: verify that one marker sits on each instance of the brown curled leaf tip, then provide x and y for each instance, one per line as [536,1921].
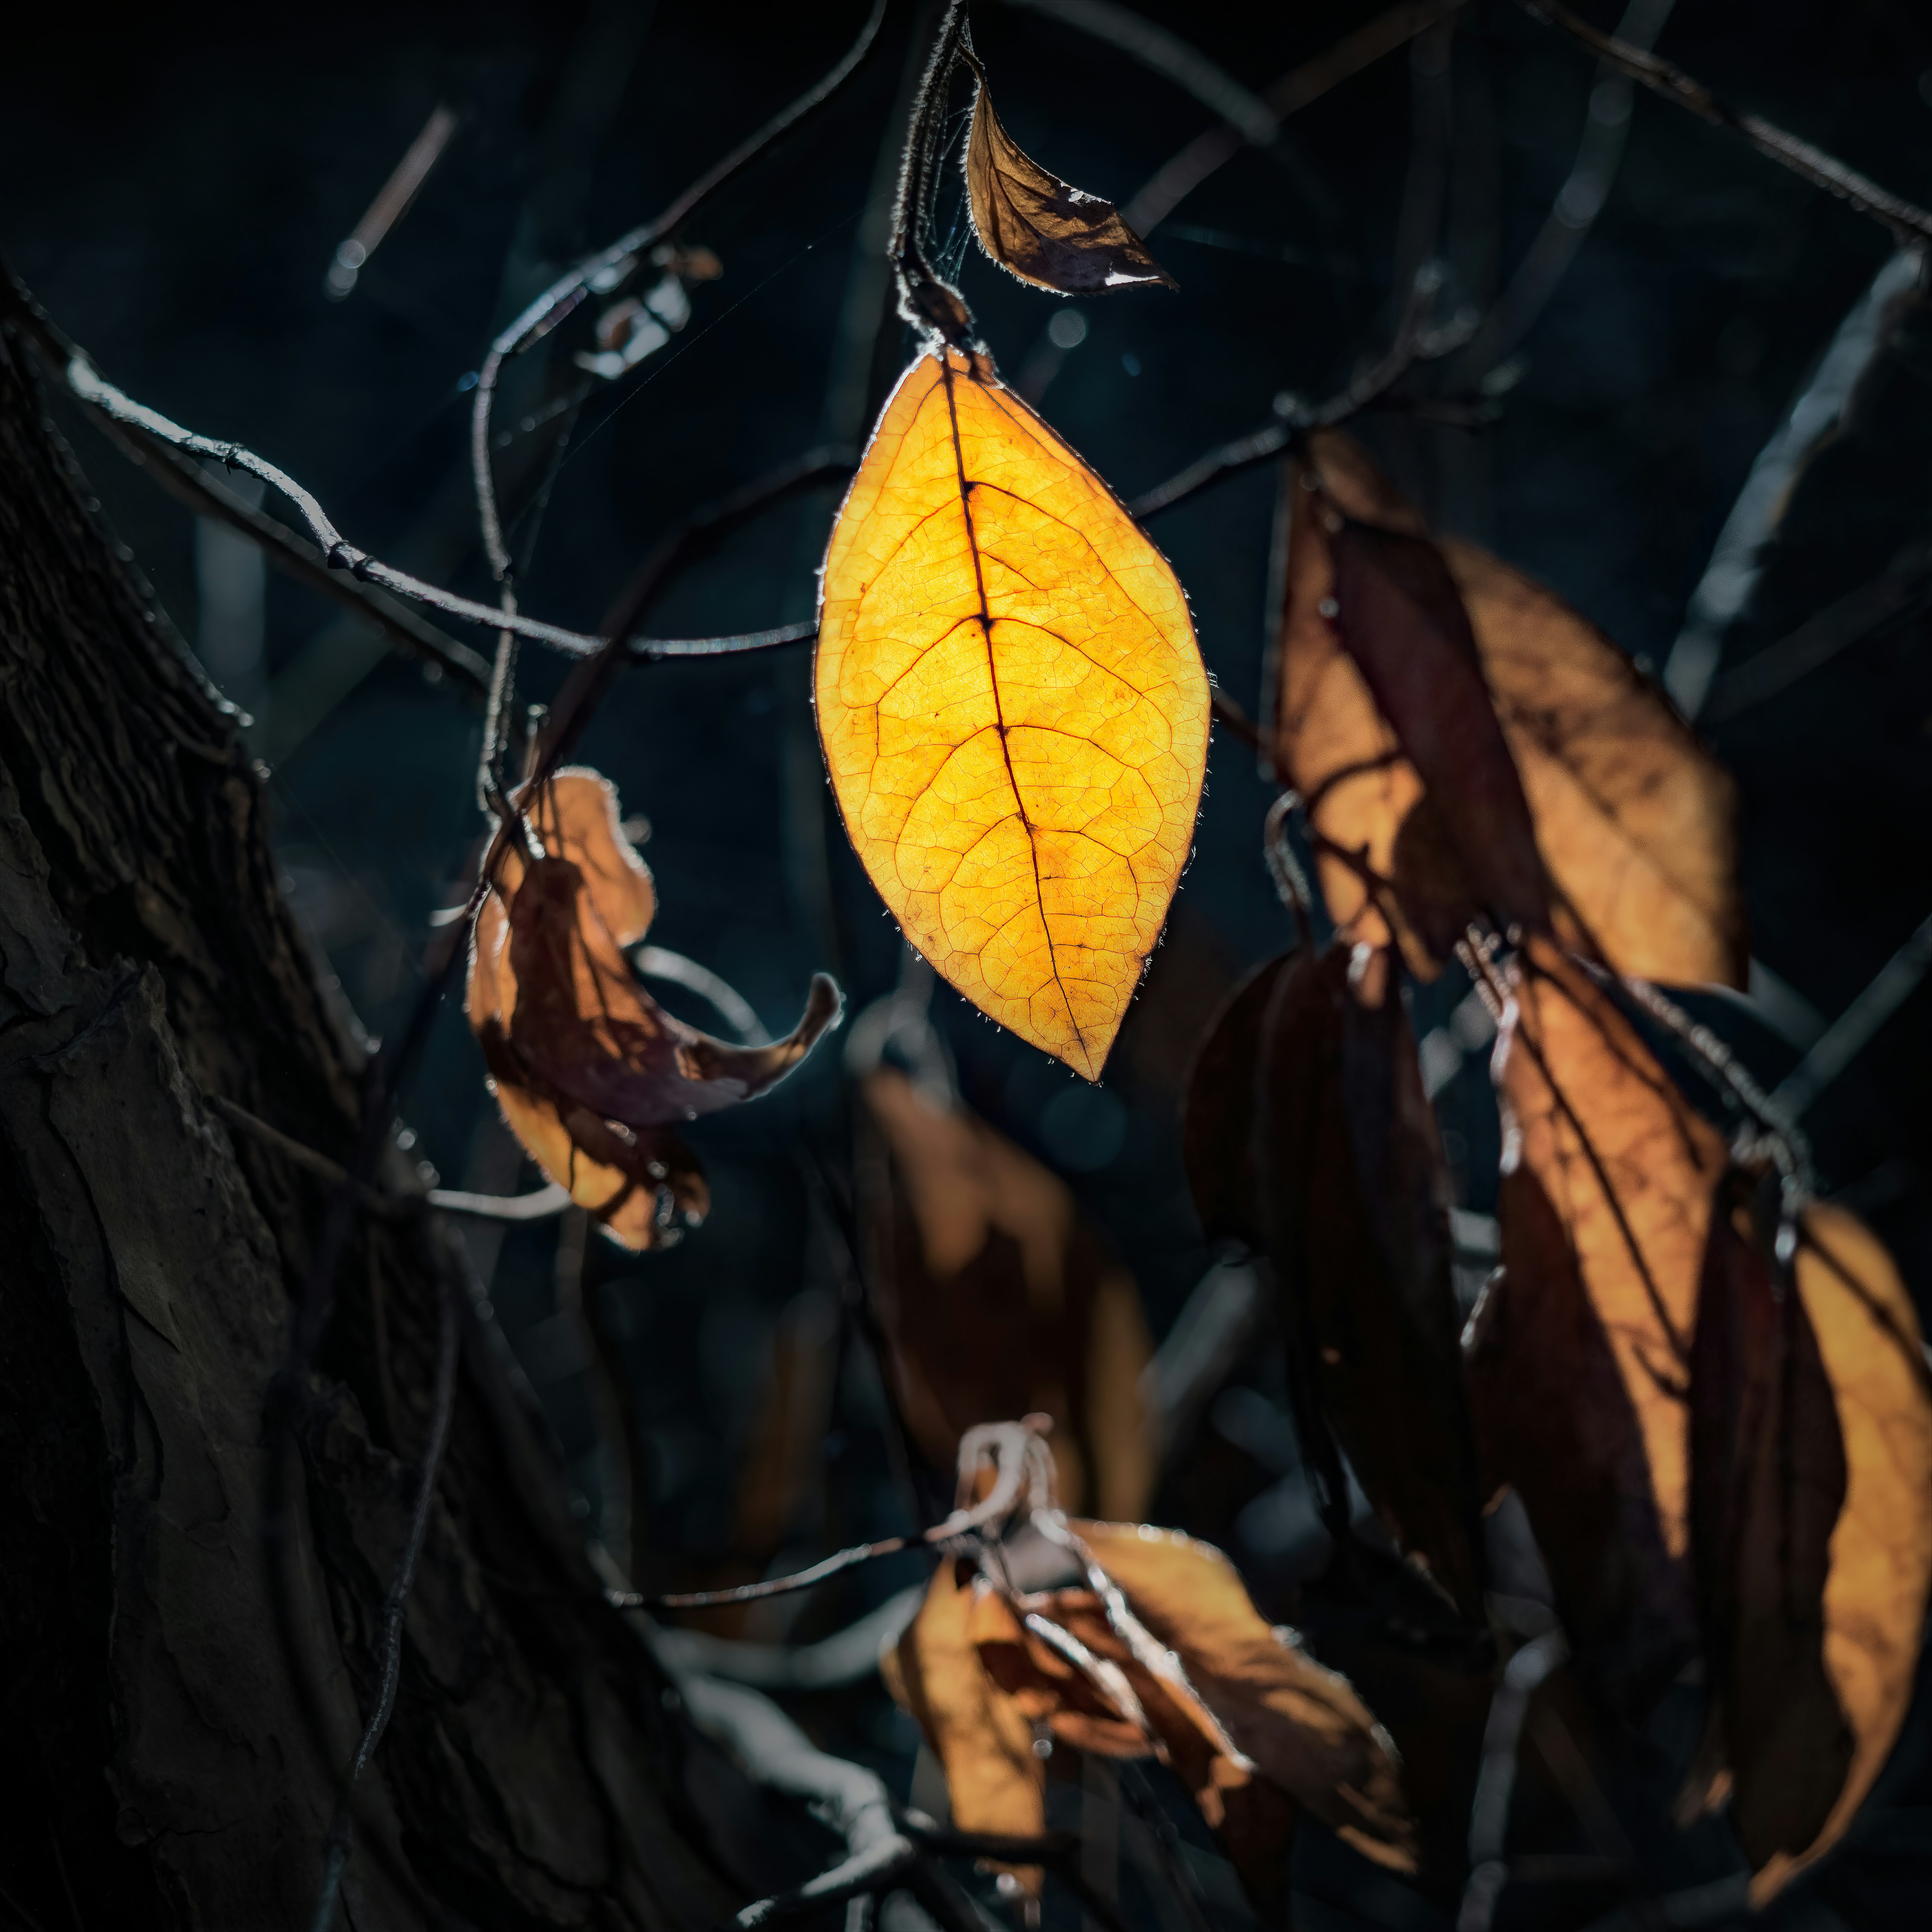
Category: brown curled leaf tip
[1039,228]
[591,1073]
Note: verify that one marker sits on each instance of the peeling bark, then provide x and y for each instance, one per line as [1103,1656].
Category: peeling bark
[168,1758]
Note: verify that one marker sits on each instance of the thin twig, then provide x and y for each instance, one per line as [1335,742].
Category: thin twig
[335,1845]
[539,1206]
[610,268]
[185,480]
[1852,1031]
[1015,1470]
[662,650]
[1414,341]
[1295,90]
[1906,221]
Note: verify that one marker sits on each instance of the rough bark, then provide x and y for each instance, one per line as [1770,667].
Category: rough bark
[168,1758]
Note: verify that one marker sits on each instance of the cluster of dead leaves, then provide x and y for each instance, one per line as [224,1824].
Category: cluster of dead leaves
[592,1074]
[1145,1644]
[1711,1399]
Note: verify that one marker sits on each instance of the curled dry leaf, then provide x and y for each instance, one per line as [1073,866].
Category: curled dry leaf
[1179,1664]
[1301,1726]
[1635,822]
[590,1072]
[1876,1589]
[1579,1356]
[1012,706]
[1037,227]
[1354,1198]
[996,1300]
[1767,1483]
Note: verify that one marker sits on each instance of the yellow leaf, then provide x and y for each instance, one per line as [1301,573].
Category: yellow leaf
[1881,1554]
[1012,706]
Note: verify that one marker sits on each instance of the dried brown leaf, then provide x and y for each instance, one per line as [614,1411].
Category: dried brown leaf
[997,1299]
[591,1073]
[1301,1725]
[1579,1356]
[1767,1482]
[1877,1592]
[1040,229]
[1354,1199]
[1401,618]
[977,1731]
[1635,822]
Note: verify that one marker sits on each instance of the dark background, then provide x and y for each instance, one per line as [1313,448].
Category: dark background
[173,186]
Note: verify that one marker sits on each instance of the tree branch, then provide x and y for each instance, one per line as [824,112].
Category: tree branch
[1907,222]
[185,480]
[610,268]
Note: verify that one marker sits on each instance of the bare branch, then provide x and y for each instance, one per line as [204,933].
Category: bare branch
[658,650]
[1415,342]
[1851,1032]
[1899,589]
[539,1206]
[610,268]
[1295,90]
[189,484]
[1907,222]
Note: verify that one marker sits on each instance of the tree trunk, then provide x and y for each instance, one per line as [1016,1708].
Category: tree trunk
[171,1754]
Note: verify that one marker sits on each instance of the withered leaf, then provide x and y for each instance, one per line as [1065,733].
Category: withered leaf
[1767,1483]
[1301,1725]
[1877,1590]
[1580,1358]
[977,1731]
[1354,1199]
[1402,619]
[1217,1127]
[996,1298]
[1040,229]
[1635,822]
[590,1072]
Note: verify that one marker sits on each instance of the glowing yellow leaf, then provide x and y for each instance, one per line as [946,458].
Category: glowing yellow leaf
[1013,705]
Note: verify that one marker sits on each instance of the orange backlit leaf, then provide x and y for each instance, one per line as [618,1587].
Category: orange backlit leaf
[1038,228]
[1877,1590]
[1580,1358]
[1635,822]
[996,1299]
[1301,1726]
[1767,1481]
[590,1072]
[1012,706]
[979,1732]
